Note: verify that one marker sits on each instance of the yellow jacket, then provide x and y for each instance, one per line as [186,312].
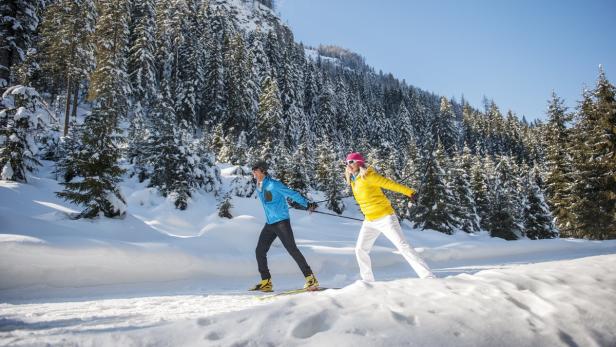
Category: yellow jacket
[368,194]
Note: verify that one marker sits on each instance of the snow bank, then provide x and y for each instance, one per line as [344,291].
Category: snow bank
[567,303]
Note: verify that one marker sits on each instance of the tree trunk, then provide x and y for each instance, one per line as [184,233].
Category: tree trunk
[75,99]
[67,112]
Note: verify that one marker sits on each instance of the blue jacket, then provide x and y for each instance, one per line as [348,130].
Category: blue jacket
[273,196]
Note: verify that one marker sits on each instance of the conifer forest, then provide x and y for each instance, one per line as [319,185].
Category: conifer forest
[164,90]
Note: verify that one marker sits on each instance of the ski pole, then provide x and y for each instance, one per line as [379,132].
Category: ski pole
[342,197]
[335,215]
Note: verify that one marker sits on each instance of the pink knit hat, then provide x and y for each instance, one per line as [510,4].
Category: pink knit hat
[357,157]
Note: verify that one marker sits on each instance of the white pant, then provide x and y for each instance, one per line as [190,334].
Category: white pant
[389,226]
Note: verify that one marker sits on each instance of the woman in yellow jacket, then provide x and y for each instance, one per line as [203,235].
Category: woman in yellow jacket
[379,216]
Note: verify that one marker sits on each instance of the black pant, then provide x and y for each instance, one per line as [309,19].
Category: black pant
[269,233]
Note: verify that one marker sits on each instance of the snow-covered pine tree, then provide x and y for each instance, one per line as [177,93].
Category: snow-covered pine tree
[236,79]
[325,118]
[538,221]
[407,133]
[19,20]
[259,59]
[18,125]
[204,173]
[97,187]
[445,127]
[190,62]
[243,185]
[503,220]
[410,175]
[330,176]
[67,48]
[241,155]
[594,150]
[109,84]
[435,199]
[292,90]
[465,213]
[214,99]
[482,173]
[68,147]
[299,163]
[392,169]
[269,120]
[558,162]
[170,157]
[142,59]
[138,137]
[226,153]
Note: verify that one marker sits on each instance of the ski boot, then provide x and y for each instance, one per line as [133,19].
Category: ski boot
[263,286]
[311,283]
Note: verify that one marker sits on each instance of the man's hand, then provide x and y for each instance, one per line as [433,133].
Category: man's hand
[312,206]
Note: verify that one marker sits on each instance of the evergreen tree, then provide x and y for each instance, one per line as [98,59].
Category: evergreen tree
[269,119]
[18,124]
[445,127]
[594,205]
[109,84]
[214,99]
[465,211]
[503,220]
[435,203]
[537,217]
[236,79]
[142,60]
[558,163]
[170,158]
[482,172]
[243,185]
[96,164]
[329,176]
[67,47]
[68,148]
[19,20]
[204,173]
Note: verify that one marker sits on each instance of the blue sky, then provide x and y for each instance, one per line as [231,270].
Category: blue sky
[515,52]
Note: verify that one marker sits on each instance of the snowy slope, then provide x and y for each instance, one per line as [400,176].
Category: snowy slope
[133,280]
[565,303]
[41,249]
[248,15]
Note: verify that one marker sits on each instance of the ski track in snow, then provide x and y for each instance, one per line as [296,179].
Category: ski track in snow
[58,322]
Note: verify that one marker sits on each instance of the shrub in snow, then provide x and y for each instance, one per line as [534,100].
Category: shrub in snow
[18,124]
[224,207]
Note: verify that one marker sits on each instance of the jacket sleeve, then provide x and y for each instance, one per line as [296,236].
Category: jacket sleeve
[374,178]
[290,193]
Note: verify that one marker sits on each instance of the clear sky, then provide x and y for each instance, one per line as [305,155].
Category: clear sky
[513,51]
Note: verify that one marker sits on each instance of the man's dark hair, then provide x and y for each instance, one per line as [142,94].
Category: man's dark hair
[260,164]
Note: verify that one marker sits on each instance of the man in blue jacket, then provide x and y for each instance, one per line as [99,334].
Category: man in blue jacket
[273,195]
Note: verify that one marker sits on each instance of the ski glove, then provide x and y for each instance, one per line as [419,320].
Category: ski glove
[312,206]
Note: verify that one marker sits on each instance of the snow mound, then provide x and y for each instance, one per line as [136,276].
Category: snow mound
[567,303]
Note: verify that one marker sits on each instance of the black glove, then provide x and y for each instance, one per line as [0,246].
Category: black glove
[295,205]
[413,198]
[312,206]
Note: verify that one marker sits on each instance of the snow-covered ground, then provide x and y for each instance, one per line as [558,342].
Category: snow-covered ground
[166,277]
